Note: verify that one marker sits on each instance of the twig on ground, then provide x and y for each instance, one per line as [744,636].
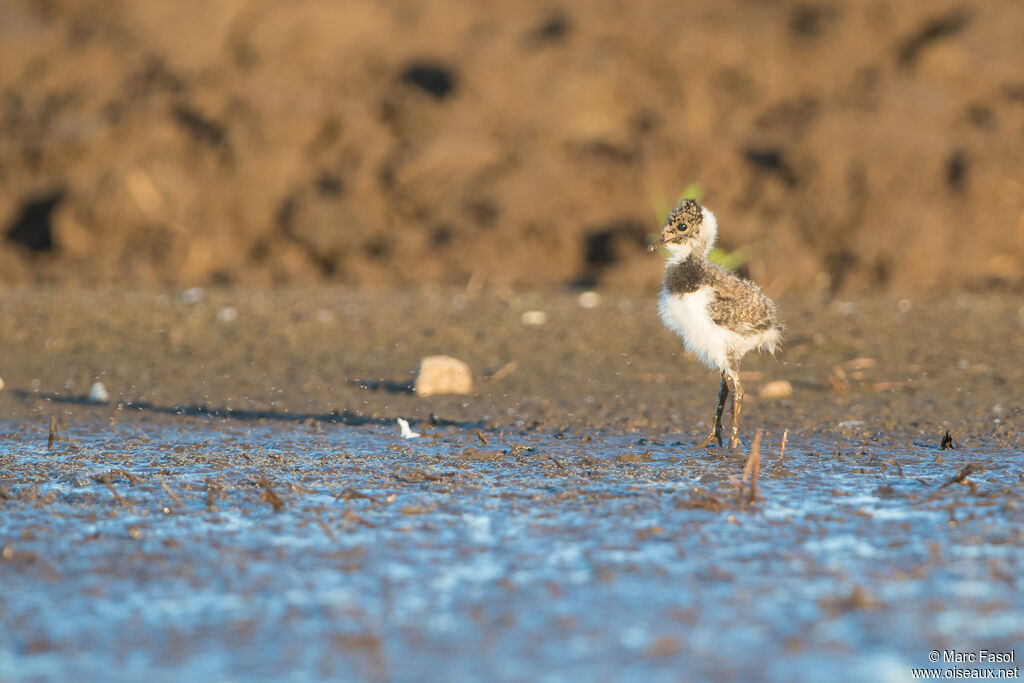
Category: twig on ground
[271,496]
[782,448]
[172,494]
[353,517]
[350,493]
[326,529]
[106,480]
[968,469]
[555,460]
[54,433]
[753,468]
[503,372]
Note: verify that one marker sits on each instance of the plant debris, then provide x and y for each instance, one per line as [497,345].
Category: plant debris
[752,469]
[270,496]
[965,471]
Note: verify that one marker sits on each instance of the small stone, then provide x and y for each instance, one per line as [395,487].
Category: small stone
[1,383]
[589,299]
[98,393]
[780,388]
[193,295]
[228,314]
[534,317]
[443,375]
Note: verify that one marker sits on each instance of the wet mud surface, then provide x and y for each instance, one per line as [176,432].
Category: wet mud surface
[245,506]
[339,551]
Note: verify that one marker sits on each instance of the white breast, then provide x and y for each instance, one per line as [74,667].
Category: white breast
[687,315]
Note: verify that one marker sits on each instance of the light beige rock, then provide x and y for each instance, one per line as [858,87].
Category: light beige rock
[780,388]
[443,375]
[1,383]
[589,299]
[534,317]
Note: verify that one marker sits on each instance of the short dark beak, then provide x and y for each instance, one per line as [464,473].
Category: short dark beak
[655,245]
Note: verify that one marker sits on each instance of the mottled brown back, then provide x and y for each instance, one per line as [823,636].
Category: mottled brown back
[739,304]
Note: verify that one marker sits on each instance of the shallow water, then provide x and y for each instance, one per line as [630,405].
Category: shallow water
[232,551]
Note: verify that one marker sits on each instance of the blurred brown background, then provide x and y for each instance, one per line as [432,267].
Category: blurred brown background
[847,146]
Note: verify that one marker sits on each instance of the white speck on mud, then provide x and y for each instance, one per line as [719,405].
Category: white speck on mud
[228,314]
[406,432]
[193,295]
[589,299]
[534,317]
[98,393]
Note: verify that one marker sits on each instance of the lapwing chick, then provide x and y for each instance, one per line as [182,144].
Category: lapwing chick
[718,315]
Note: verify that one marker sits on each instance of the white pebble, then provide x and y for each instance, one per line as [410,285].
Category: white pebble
[227,314]
[1,383]
[406,432]
[846,308]
[193,295]
[780,388]
[98,393]
[589,299]
[534,317]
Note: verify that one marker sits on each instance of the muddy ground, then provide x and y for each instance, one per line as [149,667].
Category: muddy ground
[245,507]
[896,368]
[846,146]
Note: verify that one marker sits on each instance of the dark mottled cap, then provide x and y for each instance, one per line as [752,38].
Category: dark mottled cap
[688,213]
